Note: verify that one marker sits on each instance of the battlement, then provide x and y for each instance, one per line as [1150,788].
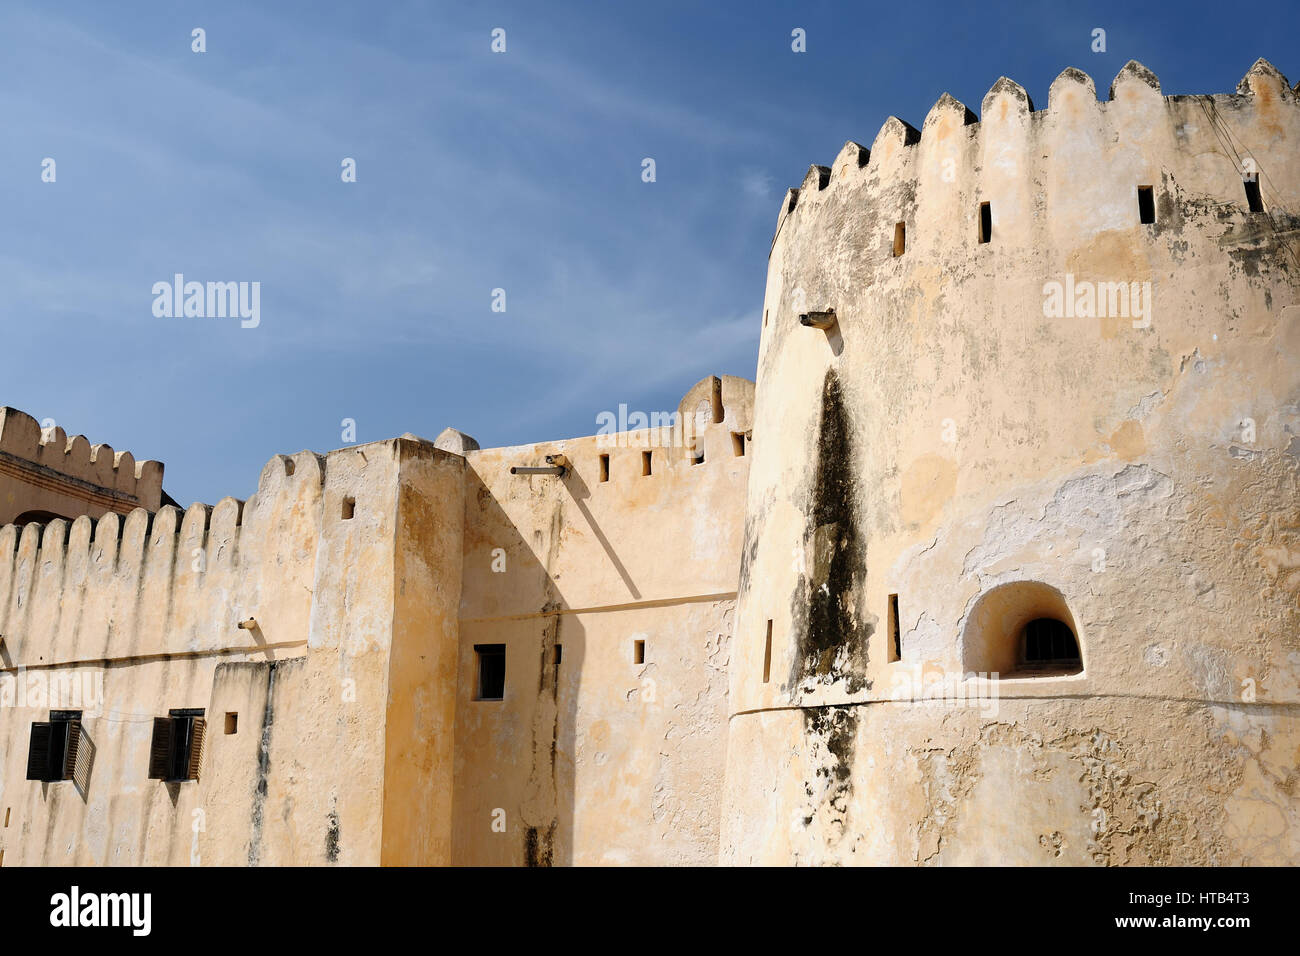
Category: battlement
[96,476]
[175,581]
[1011,154]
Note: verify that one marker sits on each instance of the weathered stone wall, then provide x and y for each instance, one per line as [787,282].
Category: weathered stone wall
[602,760]
[371,573]
[947,436]
[342,722]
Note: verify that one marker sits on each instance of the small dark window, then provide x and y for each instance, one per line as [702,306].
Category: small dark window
[1146,204]
[738,444]
[491,671]
[349,508]
[559,656]
[765,311]
[767,654]
[1253,198]
[986,222]
[1049,644]
[638,652]
[54,746]
[7,809]
[232,722]
[900,239]
[645,463]
[895,631]
[176,751]
[604,467]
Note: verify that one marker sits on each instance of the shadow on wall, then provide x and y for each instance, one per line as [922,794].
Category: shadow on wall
[530,737]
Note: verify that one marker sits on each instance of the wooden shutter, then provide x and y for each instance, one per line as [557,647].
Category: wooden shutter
[73,730]
[38,752]
[196,747]
[85,757]
[160,748]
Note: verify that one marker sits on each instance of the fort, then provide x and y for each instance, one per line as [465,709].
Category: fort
[1084,532]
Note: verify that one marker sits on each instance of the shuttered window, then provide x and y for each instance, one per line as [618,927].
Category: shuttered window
[176,751]
[54,746]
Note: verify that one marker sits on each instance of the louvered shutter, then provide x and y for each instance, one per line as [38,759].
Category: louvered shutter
[73,741]
[160,748]
[196,747]
[38,752]
[81,765]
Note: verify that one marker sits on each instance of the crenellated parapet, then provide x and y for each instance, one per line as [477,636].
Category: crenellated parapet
[46,471]
[179,581]
[1057,175]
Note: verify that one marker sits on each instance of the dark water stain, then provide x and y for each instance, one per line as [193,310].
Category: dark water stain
[539,846]
[263,768]
[754,522]
[834,729]
[832,635]
[332,834]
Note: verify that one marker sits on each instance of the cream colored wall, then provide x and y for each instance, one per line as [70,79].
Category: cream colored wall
[328,735]
[420,716]
[45,471]
[354,691]
[985,444]
[614,762]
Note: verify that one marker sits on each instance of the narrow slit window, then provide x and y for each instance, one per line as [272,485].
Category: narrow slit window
[491,671]
[176,751]
[349,508]
[895,632]
[604,467]
[7,810]
[900,239]
[559,656]
[232,722]
[738,444]
[765,311]
[986,222]
[645,463]
[638,652]
[1146,204]
[1253,198]
[767,654]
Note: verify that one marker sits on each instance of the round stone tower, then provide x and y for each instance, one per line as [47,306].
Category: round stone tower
[1021,580]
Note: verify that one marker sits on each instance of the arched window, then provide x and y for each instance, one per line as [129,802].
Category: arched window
[1049,644]
[1021,629]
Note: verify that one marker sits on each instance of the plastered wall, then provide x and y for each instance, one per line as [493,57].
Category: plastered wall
[369,575]
[948,436]
[602,760]
[341,720]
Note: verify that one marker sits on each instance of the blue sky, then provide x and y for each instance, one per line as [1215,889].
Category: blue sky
[475,171]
